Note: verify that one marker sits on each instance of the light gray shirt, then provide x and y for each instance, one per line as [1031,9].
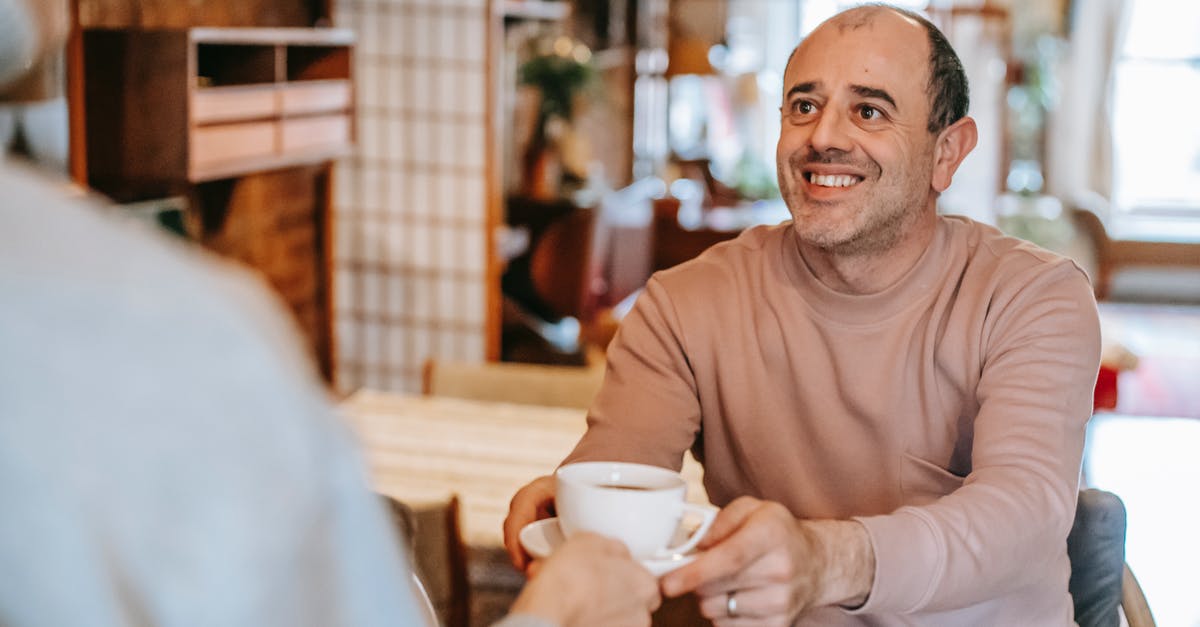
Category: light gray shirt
[167,456]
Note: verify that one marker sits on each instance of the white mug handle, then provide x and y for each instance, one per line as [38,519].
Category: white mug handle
[708,513]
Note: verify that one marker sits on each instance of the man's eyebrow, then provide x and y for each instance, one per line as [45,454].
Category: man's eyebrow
[874,92]
[803,88]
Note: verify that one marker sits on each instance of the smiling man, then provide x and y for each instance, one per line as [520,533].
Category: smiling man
[889,404]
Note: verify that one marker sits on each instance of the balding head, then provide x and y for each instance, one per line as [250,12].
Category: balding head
[947,87]
[861,16]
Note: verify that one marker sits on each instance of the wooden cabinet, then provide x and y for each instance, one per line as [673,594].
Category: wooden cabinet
[243,123]
[193,105]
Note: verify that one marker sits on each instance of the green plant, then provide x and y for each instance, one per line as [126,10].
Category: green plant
[559,78]
[560,72]
[753,179]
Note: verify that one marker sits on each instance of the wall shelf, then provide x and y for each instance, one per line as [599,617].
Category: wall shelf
[168,106]
[241,122]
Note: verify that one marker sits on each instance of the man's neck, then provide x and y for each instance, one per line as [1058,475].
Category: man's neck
[872,271]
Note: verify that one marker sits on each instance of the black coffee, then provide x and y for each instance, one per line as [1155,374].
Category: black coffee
[614,486]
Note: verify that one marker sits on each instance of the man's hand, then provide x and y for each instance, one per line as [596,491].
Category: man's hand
[590,580]
[533,502]
[775,565]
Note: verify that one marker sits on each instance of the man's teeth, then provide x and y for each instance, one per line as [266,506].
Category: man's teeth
[833,180]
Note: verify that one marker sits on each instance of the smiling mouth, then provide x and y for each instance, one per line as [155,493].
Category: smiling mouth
[832,180]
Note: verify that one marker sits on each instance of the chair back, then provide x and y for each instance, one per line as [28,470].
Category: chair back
[565,265]
[1102,586]
[434,541]
[674,244]
[592,258]
[1096,548]
[530,384]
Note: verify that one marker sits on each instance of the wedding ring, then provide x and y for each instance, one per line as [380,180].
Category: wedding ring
[731,604]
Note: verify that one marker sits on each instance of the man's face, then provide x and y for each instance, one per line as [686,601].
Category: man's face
[855,157]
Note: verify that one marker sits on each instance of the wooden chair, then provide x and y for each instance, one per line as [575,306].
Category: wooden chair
[1102,585]
[567,265]
[1133,601]
[439,555]
[531,384]
[582,261]
[592,258]
[674,244]
[1113,255]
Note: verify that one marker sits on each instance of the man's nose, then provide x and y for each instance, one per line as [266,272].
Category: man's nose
[830,133]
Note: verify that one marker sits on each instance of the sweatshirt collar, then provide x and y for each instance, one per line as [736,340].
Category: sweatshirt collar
[920,282]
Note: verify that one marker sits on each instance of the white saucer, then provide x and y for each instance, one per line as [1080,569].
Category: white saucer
[542,537]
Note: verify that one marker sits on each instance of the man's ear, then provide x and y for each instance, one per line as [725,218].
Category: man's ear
[953,145]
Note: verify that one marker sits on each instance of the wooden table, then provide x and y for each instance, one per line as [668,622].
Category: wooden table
[425,448]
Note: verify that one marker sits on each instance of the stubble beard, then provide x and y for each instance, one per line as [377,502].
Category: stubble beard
[878,235]
[887,219]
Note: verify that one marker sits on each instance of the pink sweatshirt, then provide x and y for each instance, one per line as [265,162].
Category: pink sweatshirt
[946,413]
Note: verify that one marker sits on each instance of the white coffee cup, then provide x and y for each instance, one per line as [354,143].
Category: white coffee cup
[643,506]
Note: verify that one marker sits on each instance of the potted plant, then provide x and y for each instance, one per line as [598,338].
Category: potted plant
[559,73]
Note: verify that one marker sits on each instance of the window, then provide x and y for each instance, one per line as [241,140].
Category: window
[1156,151]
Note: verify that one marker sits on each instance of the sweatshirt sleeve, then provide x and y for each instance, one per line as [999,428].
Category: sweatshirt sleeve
[1006,527]
[647,409]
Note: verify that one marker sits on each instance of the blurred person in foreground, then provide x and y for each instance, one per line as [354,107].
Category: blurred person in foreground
[167,455]
[889,404]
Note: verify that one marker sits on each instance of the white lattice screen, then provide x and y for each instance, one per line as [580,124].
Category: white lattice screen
[412,202]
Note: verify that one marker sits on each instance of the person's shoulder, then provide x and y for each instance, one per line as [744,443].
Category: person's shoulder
[990,250]
[78,234]
[82,260]
[52,231]
[1010,277]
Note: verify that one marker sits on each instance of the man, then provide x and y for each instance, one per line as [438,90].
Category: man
[889,404]
[167,455]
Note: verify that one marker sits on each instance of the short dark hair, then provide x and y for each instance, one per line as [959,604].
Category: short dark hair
[949,95]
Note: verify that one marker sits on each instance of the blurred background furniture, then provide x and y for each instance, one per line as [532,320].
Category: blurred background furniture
[226,101]
[581,262]
[566,265]
[1116,255]
[673,244]
[530,384]
[1165,339]
[430,530]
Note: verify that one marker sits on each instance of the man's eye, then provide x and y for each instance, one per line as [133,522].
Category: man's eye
[803,106]
[867,112]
